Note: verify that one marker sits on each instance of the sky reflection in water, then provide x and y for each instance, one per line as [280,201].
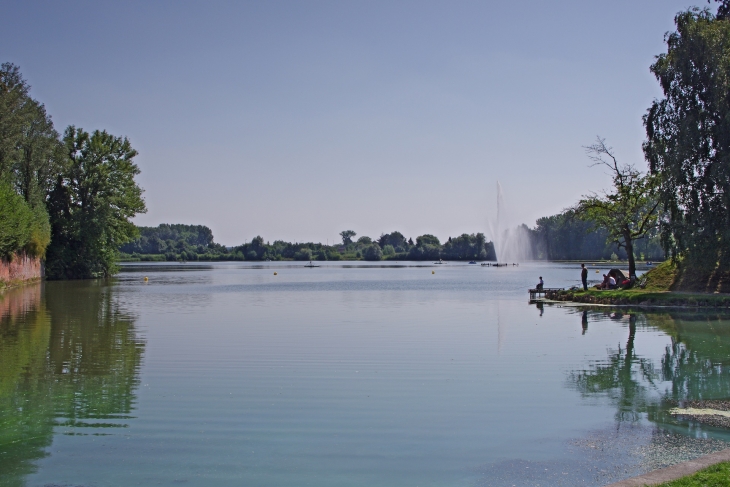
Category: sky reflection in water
[337,375]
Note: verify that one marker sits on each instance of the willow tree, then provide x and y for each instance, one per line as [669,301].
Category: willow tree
[629,211]
[688,139]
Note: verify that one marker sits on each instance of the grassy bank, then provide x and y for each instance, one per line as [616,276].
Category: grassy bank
[714,476]
[655,288]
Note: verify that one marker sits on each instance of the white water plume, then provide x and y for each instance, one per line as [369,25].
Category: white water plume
[511,243]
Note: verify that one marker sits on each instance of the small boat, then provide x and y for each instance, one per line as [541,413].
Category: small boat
[473,262]
[310,264]
[440,262]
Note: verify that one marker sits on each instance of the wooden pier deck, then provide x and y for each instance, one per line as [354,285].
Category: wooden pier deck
[535,293]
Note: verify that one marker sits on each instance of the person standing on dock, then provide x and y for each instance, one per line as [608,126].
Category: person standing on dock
[584,276]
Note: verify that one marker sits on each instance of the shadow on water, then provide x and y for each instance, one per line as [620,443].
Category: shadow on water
[69,364]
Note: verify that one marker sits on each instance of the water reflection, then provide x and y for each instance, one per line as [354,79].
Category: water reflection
[69,363]
[693,366]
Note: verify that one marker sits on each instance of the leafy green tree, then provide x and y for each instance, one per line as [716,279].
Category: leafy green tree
[303,254]
[465,247]
[347,236]
[13,99]
[629,211]
[373,252]
[427,240]
[395,239]
[16,220]
[688,138]
[364,240]
[91,204]
[29,154]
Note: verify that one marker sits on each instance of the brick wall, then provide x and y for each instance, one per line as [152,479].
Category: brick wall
[20,268]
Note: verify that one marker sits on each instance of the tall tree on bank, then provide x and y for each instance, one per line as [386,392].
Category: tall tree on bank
[90,205]
[688,140]
[629,211]
[29,155]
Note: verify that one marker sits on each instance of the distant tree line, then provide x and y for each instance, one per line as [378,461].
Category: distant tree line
[564,236]
[569,236]
[195,243]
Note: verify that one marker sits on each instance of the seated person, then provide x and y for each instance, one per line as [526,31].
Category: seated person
[540,284]
[612,283]
[604,284]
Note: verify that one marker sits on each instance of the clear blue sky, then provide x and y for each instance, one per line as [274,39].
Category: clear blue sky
[296,120]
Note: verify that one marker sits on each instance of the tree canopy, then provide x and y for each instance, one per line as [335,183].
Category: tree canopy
[688,138]
[347,236]
[29,154]
[627,212]
[91,204]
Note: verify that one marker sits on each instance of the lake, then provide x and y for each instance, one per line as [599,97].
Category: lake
[356,374]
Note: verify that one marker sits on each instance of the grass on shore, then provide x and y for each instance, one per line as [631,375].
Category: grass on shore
[653,289]
[714,476]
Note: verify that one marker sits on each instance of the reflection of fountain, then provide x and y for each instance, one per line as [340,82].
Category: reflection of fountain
[510,244]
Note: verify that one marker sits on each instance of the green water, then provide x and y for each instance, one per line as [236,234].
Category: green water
[344,375]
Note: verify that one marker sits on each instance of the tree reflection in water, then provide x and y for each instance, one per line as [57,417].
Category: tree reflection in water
[694,365]
[69,359]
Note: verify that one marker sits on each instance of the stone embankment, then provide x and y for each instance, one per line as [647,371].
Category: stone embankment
[21,268]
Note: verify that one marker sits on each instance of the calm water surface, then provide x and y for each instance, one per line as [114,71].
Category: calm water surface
[357,375]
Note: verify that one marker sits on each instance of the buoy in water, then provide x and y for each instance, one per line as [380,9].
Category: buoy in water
[275,273]
[433,272]
[597,272]
[146,279]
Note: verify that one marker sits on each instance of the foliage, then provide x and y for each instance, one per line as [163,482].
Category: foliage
[688,139]
[566,237]
[428,240]
[395,240]
[373,252]
[171,238]
[347,236]
[90,205]
[29,154]
[629,211]
[16,220]
[22,228]
[465,247]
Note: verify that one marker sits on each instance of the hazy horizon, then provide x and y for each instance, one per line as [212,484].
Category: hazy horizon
[296,121]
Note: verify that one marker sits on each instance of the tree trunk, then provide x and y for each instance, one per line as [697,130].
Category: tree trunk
[630,253]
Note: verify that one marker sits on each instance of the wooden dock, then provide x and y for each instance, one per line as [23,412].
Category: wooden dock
[536,293]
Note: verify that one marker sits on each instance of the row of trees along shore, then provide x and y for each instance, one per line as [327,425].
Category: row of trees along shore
[66,198]
[195,242]
[560,237]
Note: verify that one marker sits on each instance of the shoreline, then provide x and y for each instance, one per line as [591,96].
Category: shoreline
[641,298]
[675,472]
